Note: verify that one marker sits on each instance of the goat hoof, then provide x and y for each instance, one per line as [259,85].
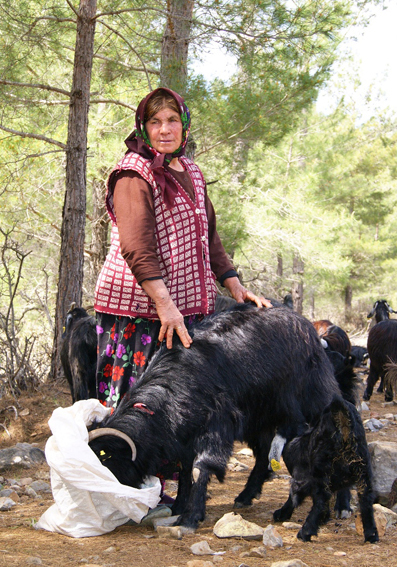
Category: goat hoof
[239,504]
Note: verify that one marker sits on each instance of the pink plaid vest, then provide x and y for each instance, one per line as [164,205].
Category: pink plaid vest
[182,250]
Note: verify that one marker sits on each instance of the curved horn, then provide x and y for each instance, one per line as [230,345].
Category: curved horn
[116,433]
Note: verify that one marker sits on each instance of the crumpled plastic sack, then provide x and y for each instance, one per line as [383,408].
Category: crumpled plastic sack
[89,500]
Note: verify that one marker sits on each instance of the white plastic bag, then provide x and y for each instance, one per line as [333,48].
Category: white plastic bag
[89,500]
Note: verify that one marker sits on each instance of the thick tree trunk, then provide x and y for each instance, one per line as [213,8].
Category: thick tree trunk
[175,45]
[70,279]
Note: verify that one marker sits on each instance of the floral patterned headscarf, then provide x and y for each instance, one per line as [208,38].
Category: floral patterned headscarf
[138,142]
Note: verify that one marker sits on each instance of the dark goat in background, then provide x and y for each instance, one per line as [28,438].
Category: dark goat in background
[248,373]
[382,349]
[79,353]
[330,456]
[382,310]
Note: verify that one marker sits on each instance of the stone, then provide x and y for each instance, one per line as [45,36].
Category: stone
[170,532]
[167,521]
[364,406]
[384,466]
[6,504]
[289,563]
[255,552]
[271,537]
[22,454]
[234,525]
[246,452]
[40,486]
[199,563]
[380,521]
[154,514]
[26,481]
[34,561]
[291,526]
[203,548]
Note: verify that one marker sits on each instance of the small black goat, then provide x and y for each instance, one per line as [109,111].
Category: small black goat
[79,353]
[382,349]
[332,455]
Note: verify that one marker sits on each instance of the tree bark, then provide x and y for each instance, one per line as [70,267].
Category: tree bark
[70,280]
[100,225]
[175,45]
[297,286]
[348,303]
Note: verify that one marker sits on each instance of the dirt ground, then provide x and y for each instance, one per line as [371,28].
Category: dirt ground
[337,544]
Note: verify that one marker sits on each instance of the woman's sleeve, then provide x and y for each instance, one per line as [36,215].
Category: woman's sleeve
[220,263]
[133,205]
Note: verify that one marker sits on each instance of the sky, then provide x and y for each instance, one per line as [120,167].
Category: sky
[375,61]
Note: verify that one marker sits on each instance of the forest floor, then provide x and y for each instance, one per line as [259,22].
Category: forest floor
[338,543]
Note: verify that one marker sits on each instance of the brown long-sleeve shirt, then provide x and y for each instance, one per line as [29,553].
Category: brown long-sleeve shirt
[133,205]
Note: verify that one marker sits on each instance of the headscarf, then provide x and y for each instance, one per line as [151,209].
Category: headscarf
[138,142]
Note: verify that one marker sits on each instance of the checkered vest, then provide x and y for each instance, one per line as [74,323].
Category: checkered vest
[182,250]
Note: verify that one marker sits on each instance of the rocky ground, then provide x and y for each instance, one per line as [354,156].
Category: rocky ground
[27,484]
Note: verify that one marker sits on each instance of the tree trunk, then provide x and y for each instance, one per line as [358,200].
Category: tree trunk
[70,280]
[100,225]
[297,286]
[175,45]
[348,303]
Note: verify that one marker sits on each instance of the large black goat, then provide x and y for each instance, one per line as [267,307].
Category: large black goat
[382,349]
[248,373]
[381,309]
[330,456]
[79,353]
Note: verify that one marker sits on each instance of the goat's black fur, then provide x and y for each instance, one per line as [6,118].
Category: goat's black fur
[382,349]
[381,309]
[248,372]
[79,353]
[332,455]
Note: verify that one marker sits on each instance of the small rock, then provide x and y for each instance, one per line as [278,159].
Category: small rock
[24,412]
[389,416]
[391,516]
[110,549]
[31,492]
[6,504]
[34,561]
[203,548]
[246,452]
[340,553]
[40,486]
[170,521]
[364,406]
[255,552]
[380,521]
[199,563]
[289,563]
[271,538]
[233,525]
[171,532]
[155,513]
[291,526]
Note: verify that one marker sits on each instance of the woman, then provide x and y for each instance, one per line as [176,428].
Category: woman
[165,252]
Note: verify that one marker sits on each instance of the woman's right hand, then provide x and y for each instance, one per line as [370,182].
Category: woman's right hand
[170,317]
[172,321]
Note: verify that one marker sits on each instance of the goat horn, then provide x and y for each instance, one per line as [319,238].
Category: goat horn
[95,433]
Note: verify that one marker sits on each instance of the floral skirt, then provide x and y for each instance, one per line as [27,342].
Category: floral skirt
[125,346]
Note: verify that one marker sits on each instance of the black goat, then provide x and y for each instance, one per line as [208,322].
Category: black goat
[330,456]
[381,309]
[79,353]
[382,349]
[248,372]
[360,354]
[336,338]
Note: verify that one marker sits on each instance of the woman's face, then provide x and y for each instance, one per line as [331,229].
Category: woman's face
[165,131]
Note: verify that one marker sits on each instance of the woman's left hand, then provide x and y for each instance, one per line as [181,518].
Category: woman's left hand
[242,295]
